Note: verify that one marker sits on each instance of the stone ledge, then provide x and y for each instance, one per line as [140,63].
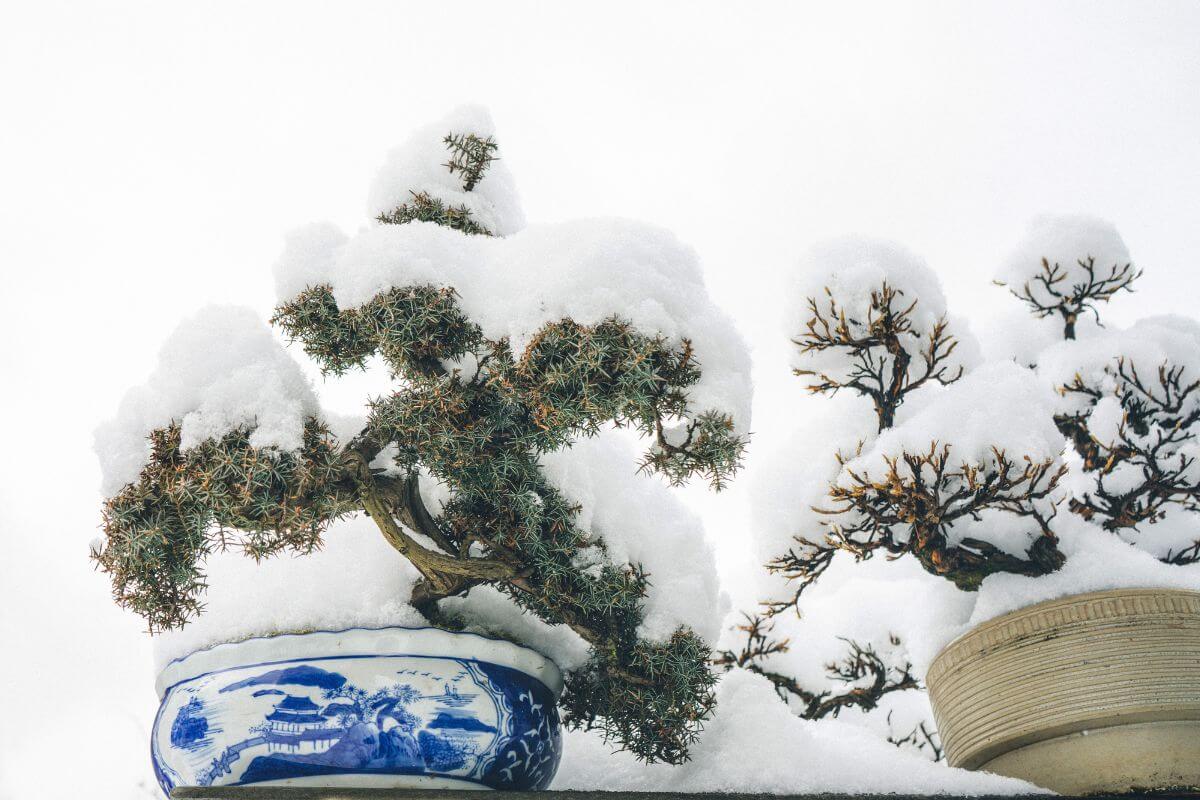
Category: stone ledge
[291,793]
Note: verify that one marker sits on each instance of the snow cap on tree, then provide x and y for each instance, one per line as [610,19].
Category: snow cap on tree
[870,317]
[999,406]
[1065,265]
[248,381]
[1147,344]
[419,167]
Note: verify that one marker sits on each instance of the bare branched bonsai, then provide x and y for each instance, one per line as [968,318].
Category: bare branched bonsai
[1054,291]
[908,509]
[879,349]
[1146,469]
[479,430]
[868,677]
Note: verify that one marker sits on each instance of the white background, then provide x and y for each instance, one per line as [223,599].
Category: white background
[152,155]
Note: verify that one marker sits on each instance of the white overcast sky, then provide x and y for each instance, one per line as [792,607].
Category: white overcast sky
[153,154]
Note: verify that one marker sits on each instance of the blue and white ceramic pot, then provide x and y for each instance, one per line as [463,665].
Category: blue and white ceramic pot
[388,707]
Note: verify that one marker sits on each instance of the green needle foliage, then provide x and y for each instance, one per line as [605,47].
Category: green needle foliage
[187,504]
[475,417]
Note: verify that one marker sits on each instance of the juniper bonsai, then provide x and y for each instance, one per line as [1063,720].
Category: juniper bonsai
[475,417]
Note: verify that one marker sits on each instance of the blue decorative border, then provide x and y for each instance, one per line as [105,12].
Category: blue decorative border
[524,701]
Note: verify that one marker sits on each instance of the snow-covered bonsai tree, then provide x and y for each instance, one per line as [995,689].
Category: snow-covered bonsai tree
[1066,266]
[505,345]
[967,472]
[1130,399]
[960,479]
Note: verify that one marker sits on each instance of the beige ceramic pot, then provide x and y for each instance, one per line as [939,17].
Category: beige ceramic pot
[1092,693]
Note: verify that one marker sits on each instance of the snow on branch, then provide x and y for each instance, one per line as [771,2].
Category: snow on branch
[876,325]
[220,371]
[1131,410]
[1066,265]
[978,463]
[868,678]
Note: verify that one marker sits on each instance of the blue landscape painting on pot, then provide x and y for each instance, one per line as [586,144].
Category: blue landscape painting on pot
[459,720]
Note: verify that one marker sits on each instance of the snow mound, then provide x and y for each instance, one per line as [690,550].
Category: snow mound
[852,267]
[999,405]
[1096,560]
[586,270]
[418,166]
[1063,239]
[790,467]
[754,744]
[486,610]
[1146,345]
[356,580]
[1017,335]
[221,369]
[641,521]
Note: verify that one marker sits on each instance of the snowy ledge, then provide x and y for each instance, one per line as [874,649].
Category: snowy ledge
[285,793]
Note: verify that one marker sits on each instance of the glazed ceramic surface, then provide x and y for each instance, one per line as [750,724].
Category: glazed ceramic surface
[391,707]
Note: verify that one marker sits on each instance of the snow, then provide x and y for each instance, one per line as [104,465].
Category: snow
[1096,560]
[417,166]
[309,251]
[355,580]
[754,744]
[790,464]
[1147,345]
[587,270]
[487,611]
[642,521]
[1014,334]
[1062,239]
[999,405]
[220,370]
[850,268]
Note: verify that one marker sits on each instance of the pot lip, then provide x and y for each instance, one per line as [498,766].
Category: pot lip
[387,640]
[1007,616]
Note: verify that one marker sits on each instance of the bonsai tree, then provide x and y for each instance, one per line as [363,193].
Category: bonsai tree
[1066,266]
[474,409]
[967,479]
[1131,399]
[1133,430]
[927,483]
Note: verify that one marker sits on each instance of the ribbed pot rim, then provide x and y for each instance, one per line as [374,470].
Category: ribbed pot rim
[394,640]
[1037,608]
[980,684]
